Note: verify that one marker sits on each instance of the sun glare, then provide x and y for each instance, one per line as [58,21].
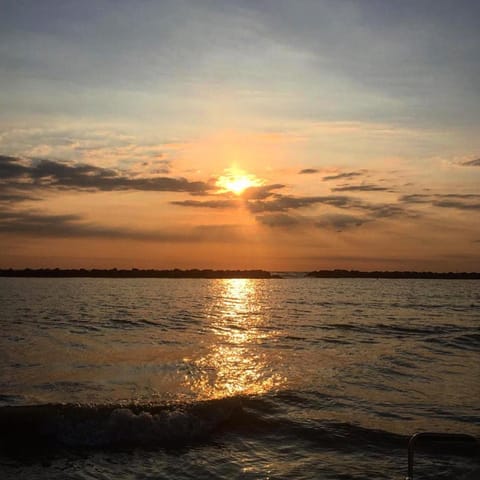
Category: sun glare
[237,181]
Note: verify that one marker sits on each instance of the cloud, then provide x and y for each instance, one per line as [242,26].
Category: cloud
[13,197]
[335,221]
[339,221]
[11,167]
[38,224]
[283,203]
[390,210]
[459,201]
[279,220]
[339,176]
[360,188]
[51,174]
[260,193]
[220,204]
[471,163]
[65,226]
[456,204]
[459,195]
[308,171]
[275,212]
[370,55]
[415,198]
[92,144]
[250,194]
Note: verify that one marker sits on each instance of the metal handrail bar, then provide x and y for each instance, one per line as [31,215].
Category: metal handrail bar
[434,436]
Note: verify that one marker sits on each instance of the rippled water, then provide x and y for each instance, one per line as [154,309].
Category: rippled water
[295,378]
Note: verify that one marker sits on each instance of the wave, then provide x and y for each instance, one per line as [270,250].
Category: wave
[466,341]
[62,427]
[104,426]
[177,425]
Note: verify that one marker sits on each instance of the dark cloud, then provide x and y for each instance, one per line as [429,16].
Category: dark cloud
[389,210]
[250,195]
[339,176]
[307,171]
[459,195]
[64,226]
[335,221]
[39,224]
[19,178]
[279,220]
[283,203]
[260,193]
[360,188]
[51,174]
[459,201]
[456,204]
[14,197]
[220,204]
[275,212]
[472,163]
[339,221]
[415,198]
[10,167]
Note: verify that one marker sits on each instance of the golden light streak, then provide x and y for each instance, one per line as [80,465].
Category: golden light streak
[236,363]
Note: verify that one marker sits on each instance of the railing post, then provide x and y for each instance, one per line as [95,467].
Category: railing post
[432,436]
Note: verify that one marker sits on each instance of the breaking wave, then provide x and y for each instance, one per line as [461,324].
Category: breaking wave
[106,426]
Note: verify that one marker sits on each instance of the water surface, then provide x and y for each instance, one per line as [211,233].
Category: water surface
[190,378]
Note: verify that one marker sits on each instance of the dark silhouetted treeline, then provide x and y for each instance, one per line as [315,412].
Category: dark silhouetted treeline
[195,273]
[134,273]
[376,274]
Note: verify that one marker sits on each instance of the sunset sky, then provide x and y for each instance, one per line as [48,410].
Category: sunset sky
[273,134]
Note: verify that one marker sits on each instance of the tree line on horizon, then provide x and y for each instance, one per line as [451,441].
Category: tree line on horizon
[209,273]
[134,273]
[392,274]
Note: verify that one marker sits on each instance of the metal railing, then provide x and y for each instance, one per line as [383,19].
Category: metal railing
[455,439]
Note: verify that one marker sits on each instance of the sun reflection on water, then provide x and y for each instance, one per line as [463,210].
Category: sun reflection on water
[235,363]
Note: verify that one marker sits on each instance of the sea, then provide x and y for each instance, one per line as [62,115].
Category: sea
[293,378]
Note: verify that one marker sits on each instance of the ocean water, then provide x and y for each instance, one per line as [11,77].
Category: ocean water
[299,378]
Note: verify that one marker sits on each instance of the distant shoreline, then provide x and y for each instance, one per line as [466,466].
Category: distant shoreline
[394,274]
[219,274]
[134,273]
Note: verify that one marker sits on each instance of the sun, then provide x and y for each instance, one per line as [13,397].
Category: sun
[237,181]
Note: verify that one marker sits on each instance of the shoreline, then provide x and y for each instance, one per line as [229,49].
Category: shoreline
[135,273]
[230,274]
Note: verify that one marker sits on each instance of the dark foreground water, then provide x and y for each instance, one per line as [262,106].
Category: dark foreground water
[254,379]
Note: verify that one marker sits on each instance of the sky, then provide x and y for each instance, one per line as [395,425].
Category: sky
[272,134]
